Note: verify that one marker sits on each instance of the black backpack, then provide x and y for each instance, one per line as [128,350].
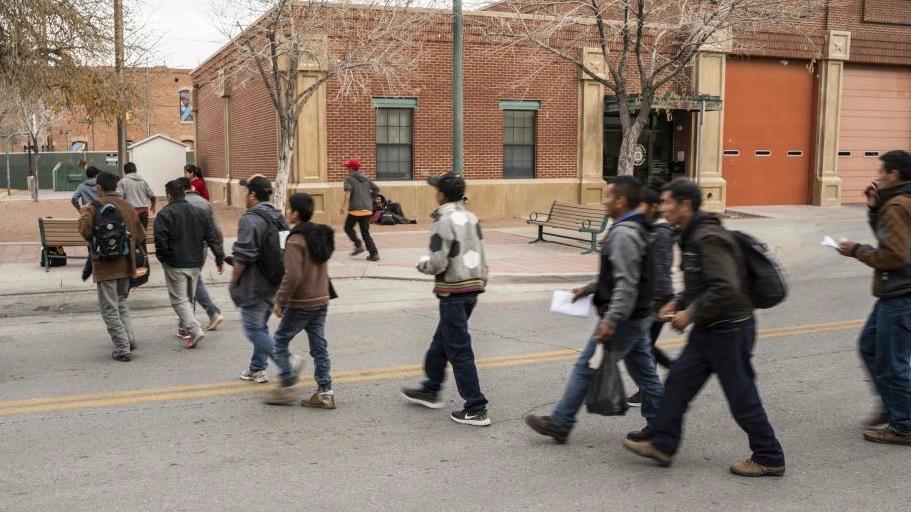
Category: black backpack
[765,281]
[110,237]
[271,257]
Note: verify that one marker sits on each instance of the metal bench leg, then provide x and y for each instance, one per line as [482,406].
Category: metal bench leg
[594,245]
[45,257]
[540,235]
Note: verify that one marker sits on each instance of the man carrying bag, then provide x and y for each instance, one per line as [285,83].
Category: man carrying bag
[623,295]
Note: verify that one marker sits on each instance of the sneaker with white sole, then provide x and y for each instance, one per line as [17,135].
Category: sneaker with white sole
[182,334]
[477,418]
[258,377]
[194,341]
[419,396]
[322,399]
[215,321]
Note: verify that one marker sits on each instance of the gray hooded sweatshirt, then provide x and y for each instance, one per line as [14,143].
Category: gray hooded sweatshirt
[362,190]
[253,288]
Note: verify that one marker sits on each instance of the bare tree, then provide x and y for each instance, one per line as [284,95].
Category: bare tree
[35,117]
[646,45]
[355,46]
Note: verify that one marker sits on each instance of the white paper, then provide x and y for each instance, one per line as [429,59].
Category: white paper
[829,242]
[282,237]
[563,303]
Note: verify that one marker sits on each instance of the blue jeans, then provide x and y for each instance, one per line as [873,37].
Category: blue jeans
[293,322]
[632,343]
[726,351]
[204,300]
[885,346]
[452,343]
[255,320]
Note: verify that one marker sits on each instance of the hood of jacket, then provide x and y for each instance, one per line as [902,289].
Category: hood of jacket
[133,177]
[358,175]
[273,214]
[320,240]
[903,188]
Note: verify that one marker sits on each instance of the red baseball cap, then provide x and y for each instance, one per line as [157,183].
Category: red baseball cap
[353,163]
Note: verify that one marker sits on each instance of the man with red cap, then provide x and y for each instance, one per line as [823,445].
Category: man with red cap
[359,191]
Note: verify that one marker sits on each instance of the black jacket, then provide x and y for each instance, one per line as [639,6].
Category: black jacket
[181,233]
[712,273]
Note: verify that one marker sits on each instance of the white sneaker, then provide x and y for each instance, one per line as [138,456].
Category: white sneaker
[214,322]
[258,377]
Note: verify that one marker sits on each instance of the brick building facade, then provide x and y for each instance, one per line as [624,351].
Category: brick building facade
[160,93]
[557,121]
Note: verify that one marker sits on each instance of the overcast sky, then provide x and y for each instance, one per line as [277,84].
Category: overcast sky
[184,30]
[186,33]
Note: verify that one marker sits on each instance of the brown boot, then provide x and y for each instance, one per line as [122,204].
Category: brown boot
[281,395]
[645,449]
[319,400]
[751,468]
[886,435]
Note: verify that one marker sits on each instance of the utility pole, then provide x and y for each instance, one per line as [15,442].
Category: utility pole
[457,113]
[118,66]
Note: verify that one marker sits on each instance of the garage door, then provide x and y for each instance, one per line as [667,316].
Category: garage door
[875,118]
[768,109]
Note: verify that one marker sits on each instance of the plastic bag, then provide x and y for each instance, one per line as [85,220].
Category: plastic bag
[606,395]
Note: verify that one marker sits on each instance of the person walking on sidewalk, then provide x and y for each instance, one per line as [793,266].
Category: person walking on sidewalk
[181,232]
[136,191]
[258,272]
[358,209]
[662,237]
[457,261]
[623,295]
[86,193]
[721,341]
[113,231]
[302,302]
[194,174]
[885,342]
[202,295]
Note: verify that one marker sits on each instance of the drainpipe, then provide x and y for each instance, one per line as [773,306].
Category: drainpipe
[699,142]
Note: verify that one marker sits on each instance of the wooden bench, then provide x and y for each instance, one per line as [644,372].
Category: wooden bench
[65,233]
[591,220]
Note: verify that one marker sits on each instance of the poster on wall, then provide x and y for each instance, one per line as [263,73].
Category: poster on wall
[186,110]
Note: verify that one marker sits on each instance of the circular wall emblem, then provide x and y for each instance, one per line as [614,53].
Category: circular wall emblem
[639,155]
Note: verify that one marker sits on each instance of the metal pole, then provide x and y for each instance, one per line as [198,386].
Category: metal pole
[699,143]
[118,66]
[457,112]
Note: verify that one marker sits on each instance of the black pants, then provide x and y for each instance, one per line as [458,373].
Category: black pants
[364,223]
[661,357]
[725,351]
[452,343]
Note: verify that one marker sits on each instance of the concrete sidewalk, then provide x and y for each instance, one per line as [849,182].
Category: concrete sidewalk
[793,232]
[510,256]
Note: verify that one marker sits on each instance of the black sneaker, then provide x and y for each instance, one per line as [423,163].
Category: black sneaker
[419,396]
[635,400]
[123,358]
[373,257]
[640,435]
[546,426]
[477,419]
[358,250]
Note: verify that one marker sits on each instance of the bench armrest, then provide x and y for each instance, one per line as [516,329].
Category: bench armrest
[533,216]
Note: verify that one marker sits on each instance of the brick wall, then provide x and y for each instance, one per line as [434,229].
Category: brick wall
[210,153]
[157,111]
[489,78]
[254,130]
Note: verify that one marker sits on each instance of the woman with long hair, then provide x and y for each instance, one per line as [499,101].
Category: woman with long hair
[194,174]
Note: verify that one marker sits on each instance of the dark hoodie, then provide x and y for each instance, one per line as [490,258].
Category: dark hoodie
[253,288]
[890,220]
[712,265]
[306,282]
[362,190]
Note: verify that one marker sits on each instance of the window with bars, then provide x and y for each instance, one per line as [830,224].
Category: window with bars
[519,143]
[394,135]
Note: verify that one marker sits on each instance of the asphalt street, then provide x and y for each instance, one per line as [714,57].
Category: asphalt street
[176,430]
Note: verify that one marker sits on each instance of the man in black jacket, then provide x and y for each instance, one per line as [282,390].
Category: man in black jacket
[721,341]
[181,233]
